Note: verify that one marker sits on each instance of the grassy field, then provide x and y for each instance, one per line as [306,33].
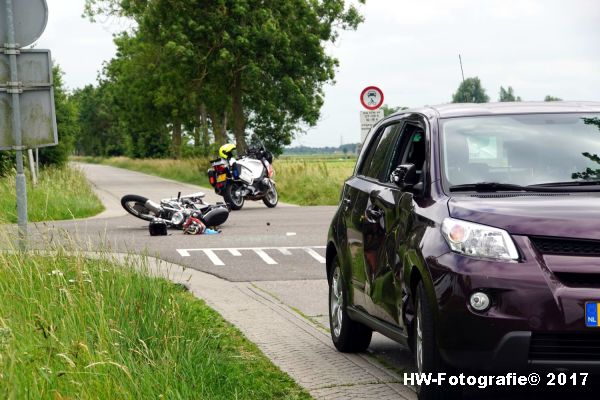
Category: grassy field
[302,180]
[72,327]
[62,193]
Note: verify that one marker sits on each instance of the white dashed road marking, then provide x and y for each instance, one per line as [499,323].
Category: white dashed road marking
[315,255]
[259,251]
[213,257]
[265,257]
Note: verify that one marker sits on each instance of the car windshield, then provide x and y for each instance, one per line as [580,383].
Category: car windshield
[521,149]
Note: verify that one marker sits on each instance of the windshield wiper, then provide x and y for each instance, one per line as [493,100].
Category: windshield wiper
[500,187]
[568,183]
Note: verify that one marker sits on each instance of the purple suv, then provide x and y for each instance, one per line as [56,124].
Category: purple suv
[472,233]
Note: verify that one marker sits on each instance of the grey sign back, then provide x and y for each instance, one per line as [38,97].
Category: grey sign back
[38,120]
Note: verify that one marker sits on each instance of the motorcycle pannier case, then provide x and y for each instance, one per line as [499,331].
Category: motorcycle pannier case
[157,227]
[215,217]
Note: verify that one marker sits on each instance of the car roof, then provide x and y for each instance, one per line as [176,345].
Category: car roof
[522,107]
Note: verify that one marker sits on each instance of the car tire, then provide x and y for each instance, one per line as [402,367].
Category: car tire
[427,356]
[348,336]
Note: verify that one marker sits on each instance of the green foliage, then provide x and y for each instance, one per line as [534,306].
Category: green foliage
[508,95]
[389,110]
[552,98]
[7,163]
[470,91]
[239,66]
[99,132]
[78,328]
[61,193]
[66,122]
[589,173]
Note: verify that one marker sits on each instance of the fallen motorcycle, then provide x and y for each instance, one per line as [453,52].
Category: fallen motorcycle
[176,211]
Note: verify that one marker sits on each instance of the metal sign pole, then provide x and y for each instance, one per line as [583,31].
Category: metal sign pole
[12,49]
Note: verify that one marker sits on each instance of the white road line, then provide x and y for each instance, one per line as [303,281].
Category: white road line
[254,248]
[213,257]
[315,255]
[291,234]
[261,253]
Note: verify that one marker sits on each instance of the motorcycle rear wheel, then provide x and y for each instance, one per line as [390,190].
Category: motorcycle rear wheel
[136,206]
[232,198]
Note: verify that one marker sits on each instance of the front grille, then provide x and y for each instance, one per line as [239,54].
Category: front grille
[571,247]
[565,346]
[575,279]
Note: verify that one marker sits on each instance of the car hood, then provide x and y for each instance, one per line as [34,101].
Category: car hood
[556,214]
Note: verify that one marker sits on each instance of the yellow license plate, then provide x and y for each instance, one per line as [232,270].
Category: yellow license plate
[222,178]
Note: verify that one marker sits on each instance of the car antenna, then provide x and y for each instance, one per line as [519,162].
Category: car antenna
[461,67]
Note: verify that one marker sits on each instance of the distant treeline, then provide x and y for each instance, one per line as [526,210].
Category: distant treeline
[350,148]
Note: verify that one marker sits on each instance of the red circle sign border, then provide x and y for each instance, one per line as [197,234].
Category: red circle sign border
[363,102]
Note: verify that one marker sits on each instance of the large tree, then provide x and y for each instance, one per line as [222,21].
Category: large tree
[470,91]
[257,65]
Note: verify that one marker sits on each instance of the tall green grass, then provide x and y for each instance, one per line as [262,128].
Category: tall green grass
[61,193]
[79,328]
[312,182]
[307,181]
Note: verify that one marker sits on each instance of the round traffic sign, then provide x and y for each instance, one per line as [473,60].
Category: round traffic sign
[30,18]
[371,98]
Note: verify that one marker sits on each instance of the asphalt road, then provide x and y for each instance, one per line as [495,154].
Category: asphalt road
[256,243]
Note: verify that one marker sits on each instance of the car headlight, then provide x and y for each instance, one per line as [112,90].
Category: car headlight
[479,240]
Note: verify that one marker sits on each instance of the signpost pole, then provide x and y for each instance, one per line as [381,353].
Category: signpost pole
[16,127]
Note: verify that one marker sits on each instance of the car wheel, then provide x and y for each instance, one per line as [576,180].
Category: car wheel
[427,356]
[348,336]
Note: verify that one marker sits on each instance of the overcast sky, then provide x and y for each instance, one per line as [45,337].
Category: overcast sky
[410,50]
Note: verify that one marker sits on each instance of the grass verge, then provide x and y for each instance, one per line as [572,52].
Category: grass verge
[61,193]
[73,327]
[306,181]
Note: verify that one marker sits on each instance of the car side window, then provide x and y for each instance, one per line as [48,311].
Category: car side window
[377,157]
[411,149]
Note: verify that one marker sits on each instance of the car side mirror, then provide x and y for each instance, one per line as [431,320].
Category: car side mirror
[404,176]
